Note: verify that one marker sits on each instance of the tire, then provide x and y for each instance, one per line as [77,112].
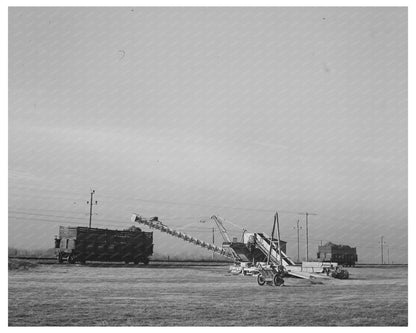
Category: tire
[261,280]
[71,259]
[278,281]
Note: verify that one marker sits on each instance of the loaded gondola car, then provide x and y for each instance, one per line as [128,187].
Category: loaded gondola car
[81,244]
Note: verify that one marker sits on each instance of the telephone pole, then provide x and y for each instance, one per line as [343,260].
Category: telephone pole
[382,242]
[91,202]
[307,232]
[297,228]
[388,255]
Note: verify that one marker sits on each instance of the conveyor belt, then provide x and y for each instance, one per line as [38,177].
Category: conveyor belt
[155,224]
[263,243]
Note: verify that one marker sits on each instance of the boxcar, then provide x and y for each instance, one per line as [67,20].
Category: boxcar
[81,244]
[341,254]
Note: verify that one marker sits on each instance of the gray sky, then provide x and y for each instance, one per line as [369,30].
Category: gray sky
[188,112]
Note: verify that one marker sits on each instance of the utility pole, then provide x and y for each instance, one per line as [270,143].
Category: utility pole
[388,255]
[307,233]
[297,228]
[91,203]
[382,242]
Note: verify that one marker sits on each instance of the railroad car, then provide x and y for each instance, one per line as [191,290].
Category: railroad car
[81,244]
[341,254]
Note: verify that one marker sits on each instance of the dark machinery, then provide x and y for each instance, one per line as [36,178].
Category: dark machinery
[271,274]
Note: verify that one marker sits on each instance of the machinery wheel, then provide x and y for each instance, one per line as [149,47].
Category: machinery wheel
[136,261]
[277,280]
[261,280]
[71,259]
[146,261]
[126,261]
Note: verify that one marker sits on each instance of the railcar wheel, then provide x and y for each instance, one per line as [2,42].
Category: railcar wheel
[261,280]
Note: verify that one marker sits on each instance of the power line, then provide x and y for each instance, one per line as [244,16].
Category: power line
[11,209]
[79,218]
[181,203]
[46,215]
[118,223]
[58,222]
[99,222]
[183,227]
[165,217]
[122,201]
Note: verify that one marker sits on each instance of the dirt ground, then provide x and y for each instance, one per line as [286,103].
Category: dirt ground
[184,295]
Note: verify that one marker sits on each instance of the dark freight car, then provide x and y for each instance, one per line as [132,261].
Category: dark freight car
[79,244]
[341,254]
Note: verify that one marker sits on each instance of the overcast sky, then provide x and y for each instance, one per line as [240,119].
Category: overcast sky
[188,112]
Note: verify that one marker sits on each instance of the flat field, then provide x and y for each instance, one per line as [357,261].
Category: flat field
[201,295]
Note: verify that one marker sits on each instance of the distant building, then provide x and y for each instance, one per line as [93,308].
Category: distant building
[341,254]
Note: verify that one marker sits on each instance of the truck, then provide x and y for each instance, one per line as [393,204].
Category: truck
[81,244]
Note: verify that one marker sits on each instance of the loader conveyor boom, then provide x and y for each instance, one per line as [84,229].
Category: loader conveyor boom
[154,223]
[263,242]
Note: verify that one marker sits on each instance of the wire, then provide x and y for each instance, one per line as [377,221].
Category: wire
[47,215]
[118,224]
[66,195]
[124,199]
[50,210]
[59,222]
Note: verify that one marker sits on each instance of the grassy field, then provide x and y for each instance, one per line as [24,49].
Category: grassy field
[189,295]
